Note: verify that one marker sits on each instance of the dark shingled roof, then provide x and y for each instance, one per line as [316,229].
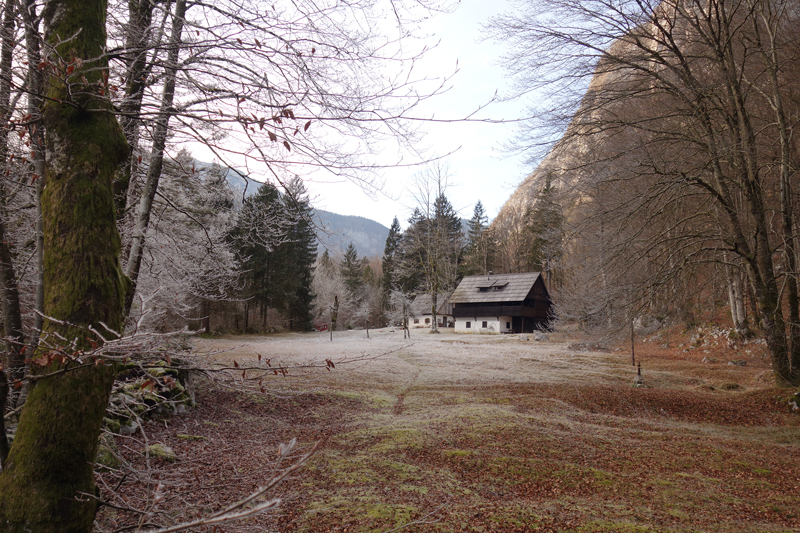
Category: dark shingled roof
[422,305]
[494,288]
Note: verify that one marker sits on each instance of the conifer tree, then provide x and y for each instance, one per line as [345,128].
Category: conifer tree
[325,261]
[299,253]
[545,231]
[256,240]
[388,264]
[432,245]
[353,273]
[479,250]
[449,241]
[445,245]
[411,255]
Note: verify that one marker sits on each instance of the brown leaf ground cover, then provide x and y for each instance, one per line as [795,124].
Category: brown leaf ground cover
[480,433]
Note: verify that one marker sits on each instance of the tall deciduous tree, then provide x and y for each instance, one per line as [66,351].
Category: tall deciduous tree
[187,262]
[433,242]
[681,139]
[331,296]
[156,166]
[49,467]
[13,360]
[276,81]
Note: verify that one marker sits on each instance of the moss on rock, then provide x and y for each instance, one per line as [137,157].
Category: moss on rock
[161,451]
[107,453]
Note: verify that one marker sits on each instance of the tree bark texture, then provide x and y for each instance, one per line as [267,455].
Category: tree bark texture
[137,68]
[48,475]
[35,130]
[3,439]
[9,288]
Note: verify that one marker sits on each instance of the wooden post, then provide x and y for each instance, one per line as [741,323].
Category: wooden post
[334,314]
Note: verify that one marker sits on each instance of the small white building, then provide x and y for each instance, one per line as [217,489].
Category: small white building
[422,312]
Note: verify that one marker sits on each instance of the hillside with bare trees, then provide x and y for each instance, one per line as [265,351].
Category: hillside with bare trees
[677,172]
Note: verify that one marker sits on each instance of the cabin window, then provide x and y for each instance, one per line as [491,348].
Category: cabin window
[484,289]
[484,324]
[416,321]
[427,320]
[508,325]
[469,325]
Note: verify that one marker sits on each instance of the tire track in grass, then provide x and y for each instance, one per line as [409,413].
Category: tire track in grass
[399,405]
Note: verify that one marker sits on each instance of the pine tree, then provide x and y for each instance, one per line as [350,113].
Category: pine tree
[479,250]
[411,256]
[353,273]
[390,252]
[477,224]
[299,252]
[449,241]
[430,251]
[325,261]
[545,231]
[445,244]
[256,239]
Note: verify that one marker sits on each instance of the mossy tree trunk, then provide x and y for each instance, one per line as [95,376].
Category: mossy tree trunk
[49,467]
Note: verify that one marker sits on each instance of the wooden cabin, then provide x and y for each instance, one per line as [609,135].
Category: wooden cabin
[501,303]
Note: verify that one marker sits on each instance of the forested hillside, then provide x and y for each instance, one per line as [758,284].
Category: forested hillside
[674,189]
[336,231]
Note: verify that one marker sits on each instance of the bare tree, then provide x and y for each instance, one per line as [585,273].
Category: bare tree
[282,85]
[186,255]
[84,285]
[331,296]
[677,128]
[400,311]
[433,243]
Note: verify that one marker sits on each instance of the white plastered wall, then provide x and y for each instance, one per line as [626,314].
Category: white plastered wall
[494,324]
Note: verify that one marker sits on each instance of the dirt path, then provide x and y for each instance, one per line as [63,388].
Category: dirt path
[492,433]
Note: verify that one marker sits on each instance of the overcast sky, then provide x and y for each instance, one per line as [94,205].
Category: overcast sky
[479,169]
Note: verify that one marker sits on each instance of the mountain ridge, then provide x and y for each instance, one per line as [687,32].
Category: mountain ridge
[334,231]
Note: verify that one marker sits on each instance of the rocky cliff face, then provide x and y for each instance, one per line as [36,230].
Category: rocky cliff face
[571,160]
